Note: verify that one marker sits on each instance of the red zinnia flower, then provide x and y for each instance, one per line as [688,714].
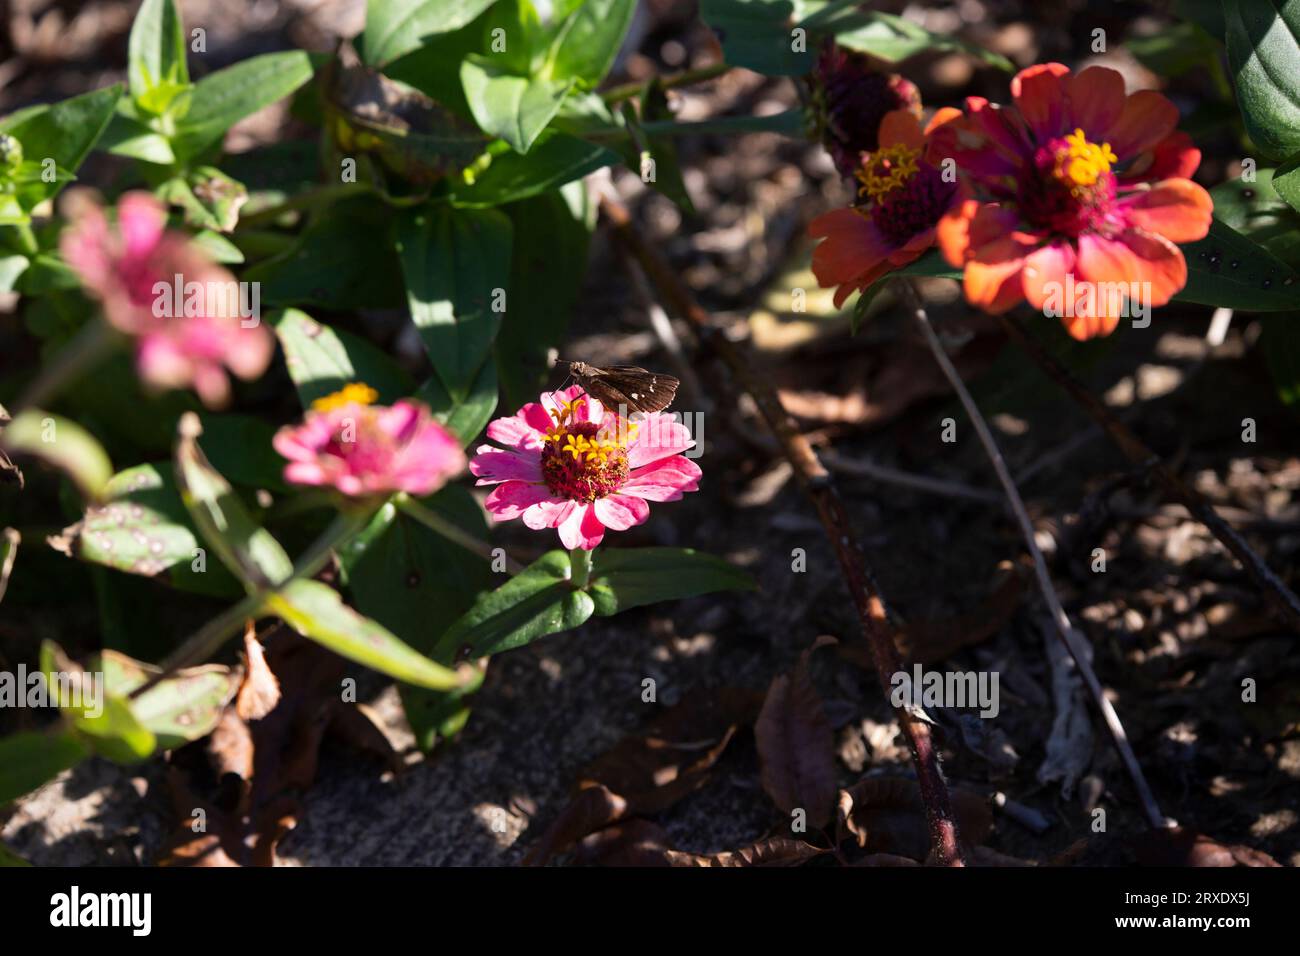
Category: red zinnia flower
[1077,189]
[904,192]
[852,97]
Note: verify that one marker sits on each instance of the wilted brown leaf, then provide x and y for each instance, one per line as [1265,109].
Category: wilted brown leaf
[260,691]
[646,773]
[795,744]
[887,815]
[248,777]
[634,842]
[773,851]
[1179,846]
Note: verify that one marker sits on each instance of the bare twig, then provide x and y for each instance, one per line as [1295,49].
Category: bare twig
[906,479]
[1072,639]
[817,483]
[1282,598]
[668,340]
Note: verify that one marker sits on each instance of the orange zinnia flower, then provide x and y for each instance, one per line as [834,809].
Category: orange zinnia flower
[903,193]
[1073,198]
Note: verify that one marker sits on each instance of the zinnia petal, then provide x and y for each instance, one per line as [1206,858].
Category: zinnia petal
[1177,209]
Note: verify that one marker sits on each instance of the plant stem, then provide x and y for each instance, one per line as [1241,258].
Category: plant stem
[208,639]
[92,344]
[320,196]
[27,239]
[1283,599]
[441,526]
[580,561]
[701,74]
[877,632]
[1069,636]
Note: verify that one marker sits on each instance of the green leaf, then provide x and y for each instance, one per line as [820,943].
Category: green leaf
[624,578]
[244,546]
[223,98]
[1227,269]
[327,267]
[514,108]
[7,856]
[547,268]
[104,720]
[322,360]
[542,599]
[456,263]
[128,135]
[893,39]
[47,273]
[1286,180]
[239,446]
[316,611]
[1257,211]
[589,39]
[396,27]
[1263,40]
[218,247]
[209,198]
[416,583]
[183,707]
[554,160]
[1280,344]
[1173,51]
[156,50]
[467,416]
[1208,14]
[757,34]
[63,444]
[662,150]
[143,528]
[30,758]
[64,132]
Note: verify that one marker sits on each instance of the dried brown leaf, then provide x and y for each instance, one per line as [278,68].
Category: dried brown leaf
[887,815]
[260,691]
[796,745]
[773,851]
[1179,846]
[248,777]
[646,773]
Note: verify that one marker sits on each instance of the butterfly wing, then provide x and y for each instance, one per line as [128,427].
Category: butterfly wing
[631,386]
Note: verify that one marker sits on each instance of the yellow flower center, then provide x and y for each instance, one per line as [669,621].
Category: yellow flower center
[887,169]
[1081,163]
[355,393]
[583,461]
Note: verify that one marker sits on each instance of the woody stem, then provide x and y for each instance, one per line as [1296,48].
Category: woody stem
[877,632]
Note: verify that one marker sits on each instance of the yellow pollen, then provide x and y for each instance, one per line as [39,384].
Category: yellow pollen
[356,393]
[1082,163]
[887,169]
[596,448]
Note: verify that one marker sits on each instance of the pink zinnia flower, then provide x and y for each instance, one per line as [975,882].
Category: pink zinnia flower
[571,465]
[363,449]
[122,267]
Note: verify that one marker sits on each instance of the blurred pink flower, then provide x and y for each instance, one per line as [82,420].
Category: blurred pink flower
[570,465]
[127,266]
[363,449]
